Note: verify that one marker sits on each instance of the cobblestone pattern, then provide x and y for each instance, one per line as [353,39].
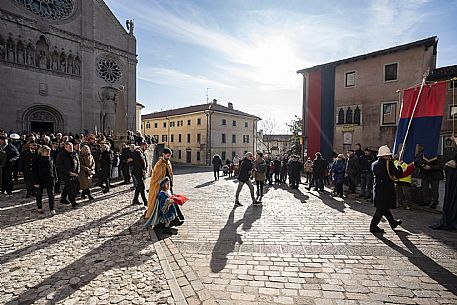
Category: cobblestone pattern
[302,247]
[96,254]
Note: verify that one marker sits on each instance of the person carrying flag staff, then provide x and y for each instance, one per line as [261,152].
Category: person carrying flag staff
[384,197]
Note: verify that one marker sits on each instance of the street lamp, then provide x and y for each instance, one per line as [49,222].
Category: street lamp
[208,135]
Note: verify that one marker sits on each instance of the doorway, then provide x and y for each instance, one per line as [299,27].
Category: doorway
[42,127]
[188,156]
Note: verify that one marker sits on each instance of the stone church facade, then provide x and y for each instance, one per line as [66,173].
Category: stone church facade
[62,63]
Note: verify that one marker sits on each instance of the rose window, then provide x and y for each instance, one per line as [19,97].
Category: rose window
[109,70]
[49,9]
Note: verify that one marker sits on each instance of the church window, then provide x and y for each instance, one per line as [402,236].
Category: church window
[54,10]
[340,116]
[109,70]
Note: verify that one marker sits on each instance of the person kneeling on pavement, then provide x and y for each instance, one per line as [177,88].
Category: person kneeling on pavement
[166,213]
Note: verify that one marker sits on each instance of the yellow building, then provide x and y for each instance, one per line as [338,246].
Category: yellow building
[188,130]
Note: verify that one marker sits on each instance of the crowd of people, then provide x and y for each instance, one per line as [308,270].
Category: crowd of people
[50,161]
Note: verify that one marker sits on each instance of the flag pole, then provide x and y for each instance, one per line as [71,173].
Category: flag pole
[402,151]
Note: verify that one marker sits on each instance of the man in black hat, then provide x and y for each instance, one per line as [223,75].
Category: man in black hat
[139,165]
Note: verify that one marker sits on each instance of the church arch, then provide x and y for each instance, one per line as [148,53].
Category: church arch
[42,118]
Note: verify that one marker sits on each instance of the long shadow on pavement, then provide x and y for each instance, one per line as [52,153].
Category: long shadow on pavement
[228,237]
[99,260]
[63,235]
[205,184]
[443,276]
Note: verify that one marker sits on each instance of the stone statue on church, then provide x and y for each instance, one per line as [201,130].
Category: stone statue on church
[77,65]
[42,61]
[55,60]
[10,50]
[130,25]
[20,53]
[30,55]
[63,62]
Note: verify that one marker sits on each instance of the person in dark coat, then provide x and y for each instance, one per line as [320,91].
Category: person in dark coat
[25,166]
[277,164]
[217,165]
[55,150]
[125,167]
[295,168]
[366,175]
[246,167]
[338,171]
[431,172]
[448,219]
[12,155]
[352,171]
[44,175]
[384,197]
[68,168]
[319,166]
[139,164]
[106,160]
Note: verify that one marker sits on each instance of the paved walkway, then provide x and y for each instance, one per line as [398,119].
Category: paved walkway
[96,254]
[301,247]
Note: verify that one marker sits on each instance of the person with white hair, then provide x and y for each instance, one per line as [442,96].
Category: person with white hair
[245,172]
[384,197]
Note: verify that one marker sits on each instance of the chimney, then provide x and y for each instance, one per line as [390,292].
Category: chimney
[230,106]
[214,102]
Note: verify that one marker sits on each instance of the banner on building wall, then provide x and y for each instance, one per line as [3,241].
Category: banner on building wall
[425,118]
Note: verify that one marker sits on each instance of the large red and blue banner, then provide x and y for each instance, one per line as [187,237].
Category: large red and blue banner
[425,121]
[320,111]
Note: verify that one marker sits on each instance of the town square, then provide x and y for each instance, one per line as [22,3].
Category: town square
[238,152]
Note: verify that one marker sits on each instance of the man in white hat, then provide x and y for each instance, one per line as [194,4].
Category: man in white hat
[384,198]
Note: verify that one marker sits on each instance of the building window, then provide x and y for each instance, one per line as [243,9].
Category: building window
[156,138]
[246,124]
[233,154]
[233,138]
[349,116]
[198,156]
[357,115]
[224,122]
[172,124]
[179,154]
[155,125]
[245,152]
[199,121]
[148,125]
[349,79]
[182,124]
[188,122]
[340,119]
[452,112]
[389,113]
[391,72]
[223,156]
[172,138]
[223,138]
[164,138]
[188,138]
[245,138]
[164,124]
[179,138]
[199,138]
[233,123]
[452,84]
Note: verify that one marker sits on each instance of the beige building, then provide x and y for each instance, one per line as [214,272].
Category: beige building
[139,107]
[197,133]
[274,144]
[355,100]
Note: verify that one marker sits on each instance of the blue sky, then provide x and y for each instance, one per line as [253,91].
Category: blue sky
[248,51]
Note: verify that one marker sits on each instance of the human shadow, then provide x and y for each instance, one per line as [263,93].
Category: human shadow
[26,213]
[208,183]
[228,236]
[441,275]
[105,257]
[64,235]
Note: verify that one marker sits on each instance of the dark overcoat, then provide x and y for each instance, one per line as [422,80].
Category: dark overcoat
[44,171]
[385,173]
[106,158]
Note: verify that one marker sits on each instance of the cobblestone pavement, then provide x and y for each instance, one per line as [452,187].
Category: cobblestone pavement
[302,247]
[96,254]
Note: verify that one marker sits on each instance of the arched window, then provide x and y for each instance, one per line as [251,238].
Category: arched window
[357,115]
[349,116]
[340,116]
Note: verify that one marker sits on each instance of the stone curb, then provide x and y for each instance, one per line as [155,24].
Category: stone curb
[169,275]
[194,290]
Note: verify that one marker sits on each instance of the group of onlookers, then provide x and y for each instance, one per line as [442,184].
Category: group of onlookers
[48,161]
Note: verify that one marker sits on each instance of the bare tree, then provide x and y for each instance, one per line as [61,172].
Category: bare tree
[268,126]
